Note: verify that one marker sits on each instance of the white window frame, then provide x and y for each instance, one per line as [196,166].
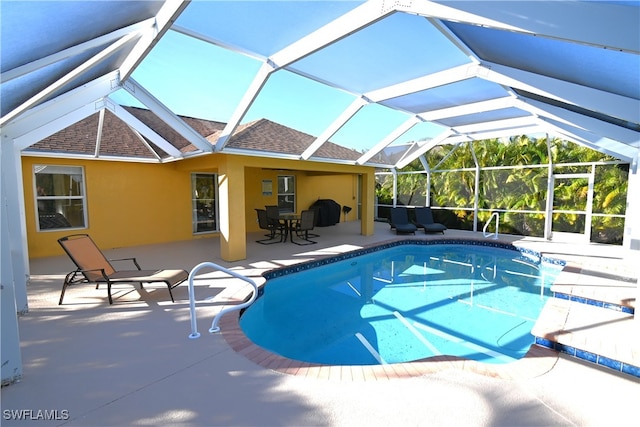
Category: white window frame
[38,198]
[194,208]
[287,192]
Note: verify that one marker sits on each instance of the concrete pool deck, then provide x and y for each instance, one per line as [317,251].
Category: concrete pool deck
[132,363]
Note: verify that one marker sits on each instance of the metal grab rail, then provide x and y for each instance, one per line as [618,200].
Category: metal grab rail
[192,303]
[488,266]
[484,229]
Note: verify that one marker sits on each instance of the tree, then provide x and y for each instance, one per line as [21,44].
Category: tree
[522,188]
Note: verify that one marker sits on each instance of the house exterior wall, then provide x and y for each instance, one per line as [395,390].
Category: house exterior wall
[128,204]
[133,204]
[310,186]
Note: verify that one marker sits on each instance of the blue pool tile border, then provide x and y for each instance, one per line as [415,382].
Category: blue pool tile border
[601,304]
[588,356]
[371,249]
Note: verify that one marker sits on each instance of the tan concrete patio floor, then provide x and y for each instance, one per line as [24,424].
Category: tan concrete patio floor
[132,364]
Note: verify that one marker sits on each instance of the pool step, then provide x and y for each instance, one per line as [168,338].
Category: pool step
[608,286]
[607,337]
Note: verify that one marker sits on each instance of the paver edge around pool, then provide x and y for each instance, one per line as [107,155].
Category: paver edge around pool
[537,361]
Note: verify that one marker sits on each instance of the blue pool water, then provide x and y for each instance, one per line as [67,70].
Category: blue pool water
[405,303]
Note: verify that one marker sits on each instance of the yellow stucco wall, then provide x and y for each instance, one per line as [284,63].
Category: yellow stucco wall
[310,186]
[128,204]
[137,203]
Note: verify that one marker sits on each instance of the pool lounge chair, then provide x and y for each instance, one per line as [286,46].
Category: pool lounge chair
[399,221]
[424,220]
[94,267]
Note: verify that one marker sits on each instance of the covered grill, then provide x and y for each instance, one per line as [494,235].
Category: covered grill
[327,212]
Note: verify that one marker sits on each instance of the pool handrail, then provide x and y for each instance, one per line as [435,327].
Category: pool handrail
[484,230]
[192,303]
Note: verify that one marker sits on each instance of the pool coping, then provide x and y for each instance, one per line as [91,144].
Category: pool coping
[536,362]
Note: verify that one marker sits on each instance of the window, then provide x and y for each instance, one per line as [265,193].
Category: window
[203,200]
[287,193]
[60,197]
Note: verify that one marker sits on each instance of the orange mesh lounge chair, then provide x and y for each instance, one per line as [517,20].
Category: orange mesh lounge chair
[94,267]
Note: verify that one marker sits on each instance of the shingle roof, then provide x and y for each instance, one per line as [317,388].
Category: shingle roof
[265,135]
[118,139]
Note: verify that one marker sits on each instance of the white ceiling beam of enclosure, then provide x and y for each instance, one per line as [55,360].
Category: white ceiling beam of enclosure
[430,81]
[276,155]
[603,144]
[145,130]
[397,133]
[164,18]
[506,133]
[56,125]
[100,130]
[595,126]
[437,23]
[143,142]
[570,93]
[216,42]
[245,103]
[75,50]
[464,109]
[492,134]
[448,12]
[341,27]
[516,16]
[252,91]
[85,67]
[352,21]
[486,126]
[595,142]
[166,115]
[334,127]
[40,116]
[423,147]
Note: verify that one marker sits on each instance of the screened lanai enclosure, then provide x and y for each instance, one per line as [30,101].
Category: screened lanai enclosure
[425,92]
[547,188]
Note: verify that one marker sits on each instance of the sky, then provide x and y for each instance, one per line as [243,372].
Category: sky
[198,79]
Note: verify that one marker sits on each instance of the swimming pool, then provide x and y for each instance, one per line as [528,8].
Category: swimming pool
[404,301]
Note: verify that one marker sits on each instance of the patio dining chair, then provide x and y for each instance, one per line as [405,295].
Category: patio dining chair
[275,229]
[94,267]
[273,214]
[302,227]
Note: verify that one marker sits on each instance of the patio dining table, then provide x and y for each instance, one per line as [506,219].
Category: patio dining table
[289,222]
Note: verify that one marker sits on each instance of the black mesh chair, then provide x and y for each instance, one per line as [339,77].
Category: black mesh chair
[303,226]
[274,229]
